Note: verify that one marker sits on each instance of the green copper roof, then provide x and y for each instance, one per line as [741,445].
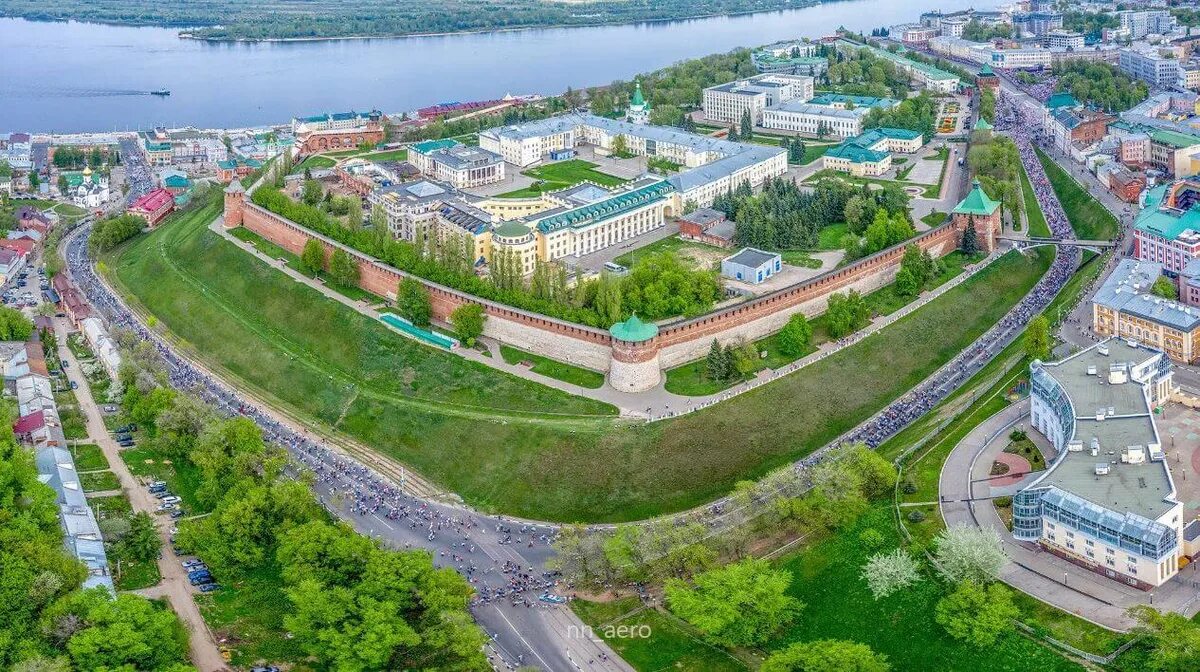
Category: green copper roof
[986,71]
[977,202]
[1177,140]
[982,125]
[511,230]
[637,99]
[856,153]
[1062,99]
[433,145]
[1167,224]
[633,330]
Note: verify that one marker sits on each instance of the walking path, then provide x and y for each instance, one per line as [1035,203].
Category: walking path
[174,585]
[652,405]
[964,494]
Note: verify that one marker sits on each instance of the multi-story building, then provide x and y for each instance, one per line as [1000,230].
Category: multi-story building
[1176,154]
[1141,24]
[1070,125]
[1125,307]
[952,26]
[712,165]
[1189,76]
[1021,58]
[456,164]
[1107,503]
[588,220]
[726,103]
[916,35]
[790,58]
[16,149]
[1150,65]
[1063,39]
[237,167]
[1167,230]
[837,115]
[928,76]
[410,206]
[342,130]
[1038,23]
[870,154]
[153,206]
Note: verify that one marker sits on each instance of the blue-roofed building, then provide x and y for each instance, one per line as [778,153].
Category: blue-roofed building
[1125,306]
[1107,502]
[456,164]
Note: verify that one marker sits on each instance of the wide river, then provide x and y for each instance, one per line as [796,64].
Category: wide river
[71,77]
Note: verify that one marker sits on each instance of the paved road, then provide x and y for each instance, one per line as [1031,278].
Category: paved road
[174,586]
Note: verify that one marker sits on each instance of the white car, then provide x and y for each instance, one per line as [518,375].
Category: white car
[171,499]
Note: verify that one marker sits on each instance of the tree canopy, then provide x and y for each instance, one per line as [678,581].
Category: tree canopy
[740,604]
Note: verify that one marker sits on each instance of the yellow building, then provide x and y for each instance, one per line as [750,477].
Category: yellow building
[1124,306]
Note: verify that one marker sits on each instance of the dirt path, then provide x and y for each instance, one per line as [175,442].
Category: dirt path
[174,585]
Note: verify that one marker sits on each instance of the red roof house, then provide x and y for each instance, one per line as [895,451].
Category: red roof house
[154,206]
[22,246]
[27,424]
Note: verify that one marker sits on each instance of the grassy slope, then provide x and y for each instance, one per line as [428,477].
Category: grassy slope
[1090,219]
[672,645]
[561,175]
[554,368]
[414,403]
[1033,212]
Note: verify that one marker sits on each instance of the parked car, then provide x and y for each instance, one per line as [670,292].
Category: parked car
[199,573]
[172,499]
[161,493]
[126,443]
[552,599]
[210,587]
[192,563]
[177,514]
[198,581]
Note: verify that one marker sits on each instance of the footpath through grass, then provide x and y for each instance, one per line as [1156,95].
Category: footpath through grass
[504,443]
[1088,217]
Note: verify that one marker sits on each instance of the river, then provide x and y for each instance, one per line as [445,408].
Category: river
[73,77]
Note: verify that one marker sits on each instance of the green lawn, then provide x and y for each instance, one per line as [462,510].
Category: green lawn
[293,262]
[554,368]
[314,162]
[182,477]
[131,574]
[672,644]
[801,258]
[690,251]
[1089,219]
[1038,228]
[560,175]
[830,237]
[826,577]
[512,441]
[99,481]
[113,505]
[814,152]
[934,218]
[247,613]
[89,457]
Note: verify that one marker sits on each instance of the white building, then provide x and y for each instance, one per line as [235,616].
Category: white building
[456,164]
[1141,24]
[1150,65]
[103,345]
[1063,39]
[726,103]
[411,206]
[1107,503]
[811,119]
[712,165]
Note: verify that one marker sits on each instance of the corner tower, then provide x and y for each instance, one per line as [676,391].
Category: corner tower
[634,366]
[235,203]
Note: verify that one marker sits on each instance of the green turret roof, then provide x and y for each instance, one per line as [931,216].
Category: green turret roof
[977,202]
[633,330]
[986,71]
[982,125]
[637,99]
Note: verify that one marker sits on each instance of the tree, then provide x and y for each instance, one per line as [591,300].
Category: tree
[716,365]
[620,146]
[846,313]
[906,283]
[1174,640]
[741,604]
[745,358]
[342,269]
[1165,288]
[231,455]
[732,135]
[795,336]
[34,182]
[14,326]
[968,553]
[608,298]
[859,212]
[179,426]
[886,573]
[379,220]
[311,193]
[354,213]
[1037,338]
[747,129]
[312,257]
[413,302]
[977,614]
[142,542]
[129,630]
[468,321]
[969,242]
[826,655]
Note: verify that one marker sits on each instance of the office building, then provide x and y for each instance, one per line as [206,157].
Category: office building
[1141,24]
[1167,230]
[456,164]
[1150,65]
[1107,503]
[726,103]
[1063,39]
[1125,307]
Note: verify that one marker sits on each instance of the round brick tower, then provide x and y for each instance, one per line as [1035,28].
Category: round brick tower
[235,202]
[634,366]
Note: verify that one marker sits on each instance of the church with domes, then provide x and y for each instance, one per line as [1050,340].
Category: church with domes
[639,107]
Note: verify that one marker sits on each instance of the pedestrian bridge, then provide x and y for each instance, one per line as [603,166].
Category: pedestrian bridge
[1021,243]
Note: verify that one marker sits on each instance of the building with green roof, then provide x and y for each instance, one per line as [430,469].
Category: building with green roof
[981,212]
[976,203]
[982,124]
[1167,230]
[633,330]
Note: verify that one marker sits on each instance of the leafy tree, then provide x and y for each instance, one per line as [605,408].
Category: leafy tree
[231,455]
[1174,640]
[745,358]
[608,298]
[14,326]
[977,614]
[179,425]
[331,554]
[111,633]
[620,146]
[886,573]
[860,212]
[1037,338]
[468,321]
[312,257]
[142,543]
[112,231]
[795,336]
[354,213]
[660,286]
[968,553]
[826,655]
[312,192]
[741,604]
[846,313]
[342,269]
[413,302]
[1165,288]
[906,282]
[379,218]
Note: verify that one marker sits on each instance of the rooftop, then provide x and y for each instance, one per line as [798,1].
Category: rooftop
[858,101]
[1171,210]
[977,202]
[616,203]
[633,330]
[752,257]
[1127,290]
[856,153]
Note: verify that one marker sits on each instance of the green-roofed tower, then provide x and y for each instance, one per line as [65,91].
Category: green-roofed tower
[982,125]
[639,108]
[635,364]
[981,213]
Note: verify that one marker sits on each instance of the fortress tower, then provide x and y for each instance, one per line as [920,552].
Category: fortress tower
[635,366]
[235,202]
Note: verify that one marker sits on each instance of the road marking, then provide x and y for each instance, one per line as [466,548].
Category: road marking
[385,523]
[522,638]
